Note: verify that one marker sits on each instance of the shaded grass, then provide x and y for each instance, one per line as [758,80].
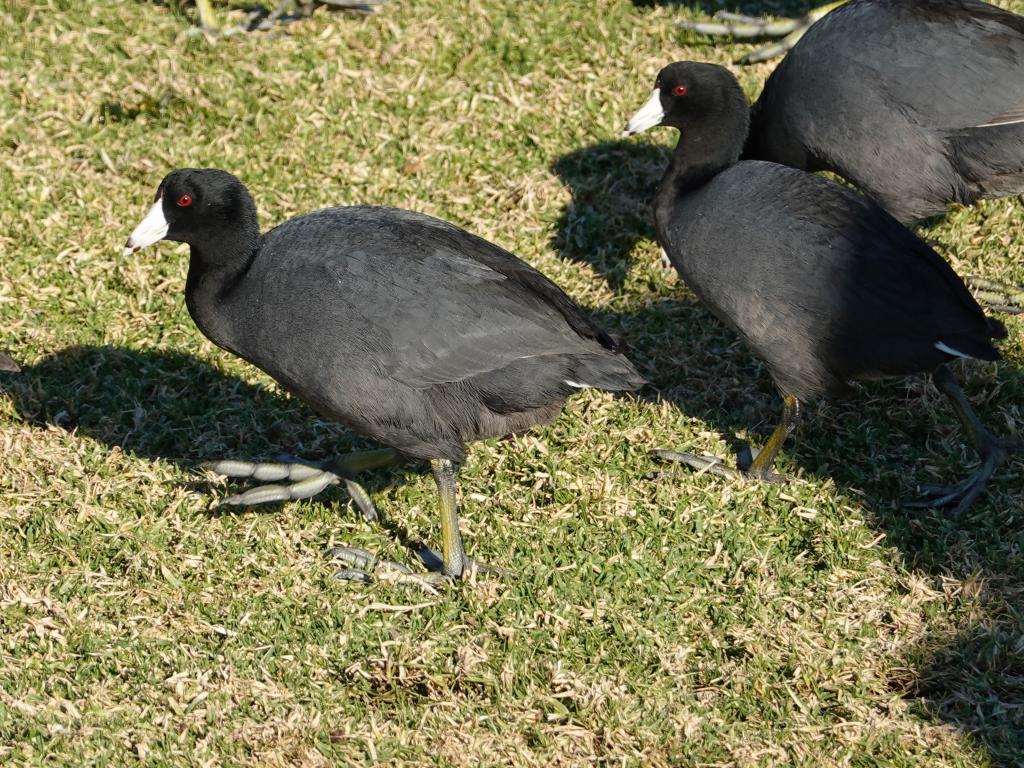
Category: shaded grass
[682,621]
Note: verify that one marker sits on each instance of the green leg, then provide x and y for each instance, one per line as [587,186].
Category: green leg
[451,539]
[762,464]
[761,467]
[453,563]
[207,18]
[306,480]
[996,296]
[738,25]
[992,450]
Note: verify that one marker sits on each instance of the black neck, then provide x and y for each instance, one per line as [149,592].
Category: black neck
[706,148]
[215,269]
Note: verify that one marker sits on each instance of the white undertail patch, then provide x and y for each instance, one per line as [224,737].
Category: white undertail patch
[578,385]
[950,351]
[1011,120]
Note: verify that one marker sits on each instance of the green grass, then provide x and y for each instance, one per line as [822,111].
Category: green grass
[673,621]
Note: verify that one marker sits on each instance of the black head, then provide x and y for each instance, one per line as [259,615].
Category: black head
[689,95]
[206,208]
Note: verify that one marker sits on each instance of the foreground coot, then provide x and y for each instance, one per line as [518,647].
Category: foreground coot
[823,284]
[403,327]
[920,103]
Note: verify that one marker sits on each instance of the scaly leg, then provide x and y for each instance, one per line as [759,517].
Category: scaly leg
[305,480]
[761,467]
[738,25]
[992,450]
[308,480]
[996,296]
[451,564]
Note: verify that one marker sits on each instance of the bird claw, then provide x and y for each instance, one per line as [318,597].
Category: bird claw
[364,567]
[701,464]
[964,493]
[307,480]
[741,26]
[1007,298]
[704,464]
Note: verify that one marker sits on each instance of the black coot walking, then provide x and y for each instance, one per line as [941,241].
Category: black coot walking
[403,327]
[823,284]
[920,103]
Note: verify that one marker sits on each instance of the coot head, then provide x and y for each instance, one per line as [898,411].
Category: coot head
[687,93]
[198,207]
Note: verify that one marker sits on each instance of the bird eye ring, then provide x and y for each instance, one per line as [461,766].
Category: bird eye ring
[184,201]
[679,90]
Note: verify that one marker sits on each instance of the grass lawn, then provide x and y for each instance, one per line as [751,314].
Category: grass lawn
[675,620]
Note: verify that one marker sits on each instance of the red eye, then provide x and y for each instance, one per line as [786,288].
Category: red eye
[184,201]
[679,90]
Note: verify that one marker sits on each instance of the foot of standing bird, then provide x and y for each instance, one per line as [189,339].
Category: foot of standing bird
[1007,298]
[964,493]
[367,568]
[992,450]
[305,480]
[753,467]
[738,25]
[714,465]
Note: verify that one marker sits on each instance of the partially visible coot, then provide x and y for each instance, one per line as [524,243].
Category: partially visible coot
[920,103]
[7,364]
[405,328]
[823,284]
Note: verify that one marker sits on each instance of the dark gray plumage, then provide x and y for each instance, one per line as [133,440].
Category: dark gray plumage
[821,283]
[405,328]
[920,103]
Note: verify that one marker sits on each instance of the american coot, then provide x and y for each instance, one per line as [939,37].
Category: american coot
[920,103]
[822,283]
[401,326]
[7,364]
[740,25]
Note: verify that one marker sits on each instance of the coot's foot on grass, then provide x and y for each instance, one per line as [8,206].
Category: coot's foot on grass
[361,565]
[992,450]
[742,26]
[757,468]
[999,297]
[305,480]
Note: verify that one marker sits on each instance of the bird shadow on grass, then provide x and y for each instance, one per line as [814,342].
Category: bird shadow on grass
[975,681]
[173,407]
[612,184]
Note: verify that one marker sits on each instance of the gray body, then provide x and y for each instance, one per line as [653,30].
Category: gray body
[822,284]
[920,103]
[407,329]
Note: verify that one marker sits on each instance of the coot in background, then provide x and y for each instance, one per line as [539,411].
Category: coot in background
[405,328]
[822,283]
[920,103]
